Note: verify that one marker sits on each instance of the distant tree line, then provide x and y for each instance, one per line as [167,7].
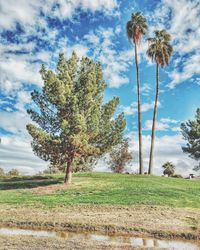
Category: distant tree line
[12,172]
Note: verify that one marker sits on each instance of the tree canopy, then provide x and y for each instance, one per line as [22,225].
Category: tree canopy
[70,118]
[169,168]
[160,49]
[191,133]
[136,27]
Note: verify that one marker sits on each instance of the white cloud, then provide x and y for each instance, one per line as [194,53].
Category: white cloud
[80,49]
[92,38]
[115,64]
[67,8]
[164,124]
[132,109]
[21,69]
[184,26]
[190,68]
[16,153]
[13,73]
[14,122]
[27,13]
[168,120]
[145,89]
[24,12]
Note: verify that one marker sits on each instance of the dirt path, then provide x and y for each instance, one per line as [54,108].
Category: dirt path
[155,221]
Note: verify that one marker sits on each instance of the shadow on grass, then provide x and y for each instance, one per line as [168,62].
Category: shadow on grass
[28,182]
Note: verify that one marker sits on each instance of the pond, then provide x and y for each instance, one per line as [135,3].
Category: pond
[133,241]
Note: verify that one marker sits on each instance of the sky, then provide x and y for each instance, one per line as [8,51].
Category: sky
[34,32]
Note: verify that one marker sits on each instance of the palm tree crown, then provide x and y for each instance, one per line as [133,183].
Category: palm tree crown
[136,27]
[160,49]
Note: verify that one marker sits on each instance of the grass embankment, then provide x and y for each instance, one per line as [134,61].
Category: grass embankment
[101,188]
[103,202]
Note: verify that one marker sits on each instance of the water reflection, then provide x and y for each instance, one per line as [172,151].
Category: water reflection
[134,241]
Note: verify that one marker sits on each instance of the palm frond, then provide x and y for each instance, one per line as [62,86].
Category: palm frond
[160,49]
[136,27]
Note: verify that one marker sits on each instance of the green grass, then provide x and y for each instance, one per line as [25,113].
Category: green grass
[103,188]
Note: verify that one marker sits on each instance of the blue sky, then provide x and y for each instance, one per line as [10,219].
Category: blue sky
[34,32]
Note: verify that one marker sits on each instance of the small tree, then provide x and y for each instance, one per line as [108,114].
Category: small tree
[13,172]
[191,133]
[119,157]
[73,121]
[169,169]
[2,172]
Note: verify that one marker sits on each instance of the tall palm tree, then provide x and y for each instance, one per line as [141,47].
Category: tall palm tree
[160,51]
[135,29]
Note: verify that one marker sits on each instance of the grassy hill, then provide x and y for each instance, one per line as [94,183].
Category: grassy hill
[101,188]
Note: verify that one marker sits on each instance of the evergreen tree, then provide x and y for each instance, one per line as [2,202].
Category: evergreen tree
[191,133]
[73,121]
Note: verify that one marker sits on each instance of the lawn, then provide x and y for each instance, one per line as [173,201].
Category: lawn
[101,188]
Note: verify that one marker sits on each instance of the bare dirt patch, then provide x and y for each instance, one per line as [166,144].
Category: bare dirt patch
[49,189]
[60,186]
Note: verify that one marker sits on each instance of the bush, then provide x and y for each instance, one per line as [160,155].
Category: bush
[13,172]
[177,176]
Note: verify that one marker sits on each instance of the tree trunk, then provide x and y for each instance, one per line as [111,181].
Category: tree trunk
[141,166]
[68,173]
[154,122]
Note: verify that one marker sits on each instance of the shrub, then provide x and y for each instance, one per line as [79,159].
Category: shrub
[177,176]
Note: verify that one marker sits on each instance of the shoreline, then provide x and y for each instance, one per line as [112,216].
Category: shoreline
[177,223]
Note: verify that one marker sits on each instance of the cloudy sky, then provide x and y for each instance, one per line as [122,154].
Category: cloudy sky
[34,32]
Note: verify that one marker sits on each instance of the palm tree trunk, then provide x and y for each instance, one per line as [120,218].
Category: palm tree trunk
[68,172]
[154,122]
[141,166]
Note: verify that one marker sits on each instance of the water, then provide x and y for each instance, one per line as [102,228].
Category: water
[133,241]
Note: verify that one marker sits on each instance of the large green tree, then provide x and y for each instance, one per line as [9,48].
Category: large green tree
[71,120]
[191,133]
[136,28]
[160,51]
